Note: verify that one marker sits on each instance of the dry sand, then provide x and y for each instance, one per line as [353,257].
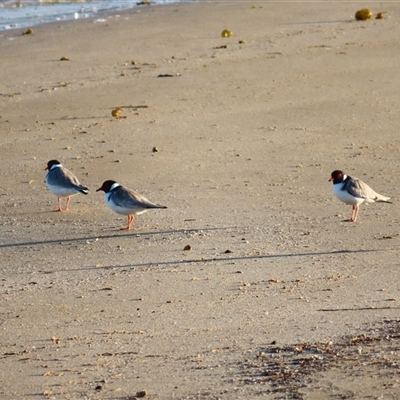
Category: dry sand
[278,296]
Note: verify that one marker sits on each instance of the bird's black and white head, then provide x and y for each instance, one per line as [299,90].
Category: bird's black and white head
[52,163]
[337,176]
[107,186]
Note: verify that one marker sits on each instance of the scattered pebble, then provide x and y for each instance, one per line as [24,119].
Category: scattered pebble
[168,75]
[363,15]
[116,112]
[226,33]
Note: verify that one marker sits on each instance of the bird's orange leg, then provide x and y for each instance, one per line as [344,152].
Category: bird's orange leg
[59,204]
[357,209]
[130,220]
[354,214]
[67,203]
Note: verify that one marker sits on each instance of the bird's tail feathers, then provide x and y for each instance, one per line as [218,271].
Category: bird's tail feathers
[158,206]
[83,189]
[383,199]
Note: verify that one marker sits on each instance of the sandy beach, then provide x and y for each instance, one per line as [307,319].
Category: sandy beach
[278,297]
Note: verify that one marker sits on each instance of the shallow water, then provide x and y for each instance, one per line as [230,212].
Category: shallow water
[27,13]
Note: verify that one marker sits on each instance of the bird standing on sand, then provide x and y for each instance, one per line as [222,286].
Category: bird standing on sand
[353,191]
[63,183]
[125,201]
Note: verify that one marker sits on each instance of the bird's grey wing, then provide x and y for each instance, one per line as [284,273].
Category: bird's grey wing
[358,188]
[128,198]
[64,177]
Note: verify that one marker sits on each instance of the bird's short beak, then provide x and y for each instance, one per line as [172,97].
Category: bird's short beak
[100,188]
[330,180]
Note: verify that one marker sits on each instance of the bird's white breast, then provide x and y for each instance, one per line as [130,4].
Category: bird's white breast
[59,190]
[345,196]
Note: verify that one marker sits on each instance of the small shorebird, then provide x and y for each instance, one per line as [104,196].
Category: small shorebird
[353,191]
[63,183]
[125,201]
